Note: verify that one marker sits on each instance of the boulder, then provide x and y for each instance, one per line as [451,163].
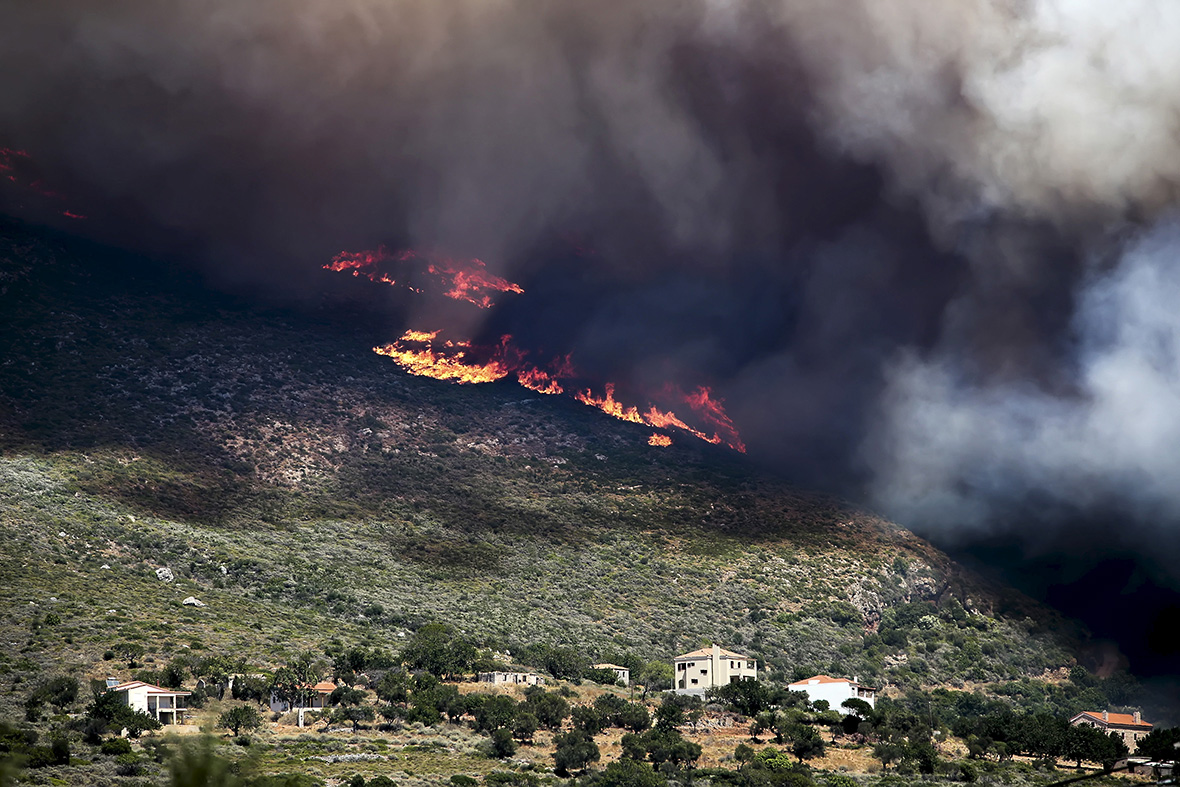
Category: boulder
[165,574]
[193,602]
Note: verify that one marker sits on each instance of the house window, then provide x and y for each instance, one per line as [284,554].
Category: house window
[704,672]
[749,665]
[681,666]
[694,681]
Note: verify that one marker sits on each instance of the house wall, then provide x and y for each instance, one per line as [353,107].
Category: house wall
[712,671]
[835,693]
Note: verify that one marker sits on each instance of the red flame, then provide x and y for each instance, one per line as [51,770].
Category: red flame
[469,281]
[16,166]
[423,353]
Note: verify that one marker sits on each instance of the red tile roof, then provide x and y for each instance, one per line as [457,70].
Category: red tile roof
[821,679]
[135,684]
[1120,719]
[705,653]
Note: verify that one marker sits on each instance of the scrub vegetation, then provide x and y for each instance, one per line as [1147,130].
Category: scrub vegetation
[315,499]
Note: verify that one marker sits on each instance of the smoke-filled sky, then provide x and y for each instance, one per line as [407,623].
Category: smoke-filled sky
[926,251]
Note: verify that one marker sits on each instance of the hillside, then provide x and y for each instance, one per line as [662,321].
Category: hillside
[306,489]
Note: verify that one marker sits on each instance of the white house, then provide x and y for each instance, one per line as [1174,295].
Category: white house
[709,668]
[513,678]
[318,698]
[166,706]
[835,690]
[622,674]
[1129,726]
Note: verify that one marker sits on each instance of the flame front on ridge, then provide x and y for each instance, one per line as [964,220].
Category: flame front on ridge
[425,354]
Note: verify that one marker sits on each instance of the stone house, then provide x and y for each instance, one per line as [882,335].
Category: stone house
[707,668]
[1129,726]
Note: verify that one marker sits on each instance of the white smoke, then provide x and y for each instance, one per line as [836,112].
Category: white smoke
[1045,107]
[954,451]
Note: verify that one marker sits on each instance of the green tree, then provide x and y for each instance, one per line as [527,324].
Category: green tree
[502,744]
[566,663]
[394,686]
[587,719]
[655,676]
[524,726]
[550,708]
[1160,744]
[131,651]
[439,650]
[240,717]
[630,773]
[669,746]
[634,717]
[574,751]
[494,713]
[354,715]
[747,697]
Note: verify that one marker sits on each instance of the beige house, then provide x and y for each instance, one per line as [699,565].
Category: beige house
[622,674]
[707,668]
[512,678]
[166,706]
[317,699]
[1129,726]
[835,690]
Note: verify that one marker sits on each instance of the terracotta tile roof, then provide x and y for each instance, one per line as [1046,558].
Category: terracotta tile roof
[1119,719]
[324,687]
[821,679]
[135,684]
[705,653]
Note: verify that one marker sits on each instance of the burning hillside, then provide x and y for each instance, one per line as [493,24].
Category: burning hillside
[429,354]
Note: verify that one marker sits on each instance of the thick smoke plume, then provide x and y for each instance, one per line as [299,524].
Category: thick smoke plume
[923,249]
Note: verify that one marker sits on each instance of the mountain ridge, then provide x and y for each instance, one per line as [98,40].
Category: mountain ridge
[295,482]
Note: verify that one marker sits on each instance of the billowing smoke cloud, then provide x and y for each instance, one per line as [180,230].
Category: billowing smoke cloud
[956,448]
[922,248]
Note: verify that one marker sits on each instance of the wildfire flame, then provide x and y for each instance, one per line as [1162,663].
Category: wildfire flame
[423,353]
[469,281]
[15,166]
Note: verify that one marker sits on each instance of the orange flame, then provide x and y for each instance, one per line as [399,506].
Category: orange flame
[421,353]
[609,406]
[450,365]
[469,281]
[536,380]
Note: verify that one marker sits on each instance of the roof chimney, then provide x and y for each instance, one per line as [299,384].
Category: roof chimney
[716,652]
[1106,715]
[1138,717]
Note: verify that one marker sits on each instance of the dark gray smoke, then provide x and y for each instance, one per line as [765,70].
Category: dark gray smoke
[924,250]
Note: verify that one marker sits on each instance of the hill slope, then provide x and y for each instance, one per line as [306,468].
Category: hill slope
[306,489]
